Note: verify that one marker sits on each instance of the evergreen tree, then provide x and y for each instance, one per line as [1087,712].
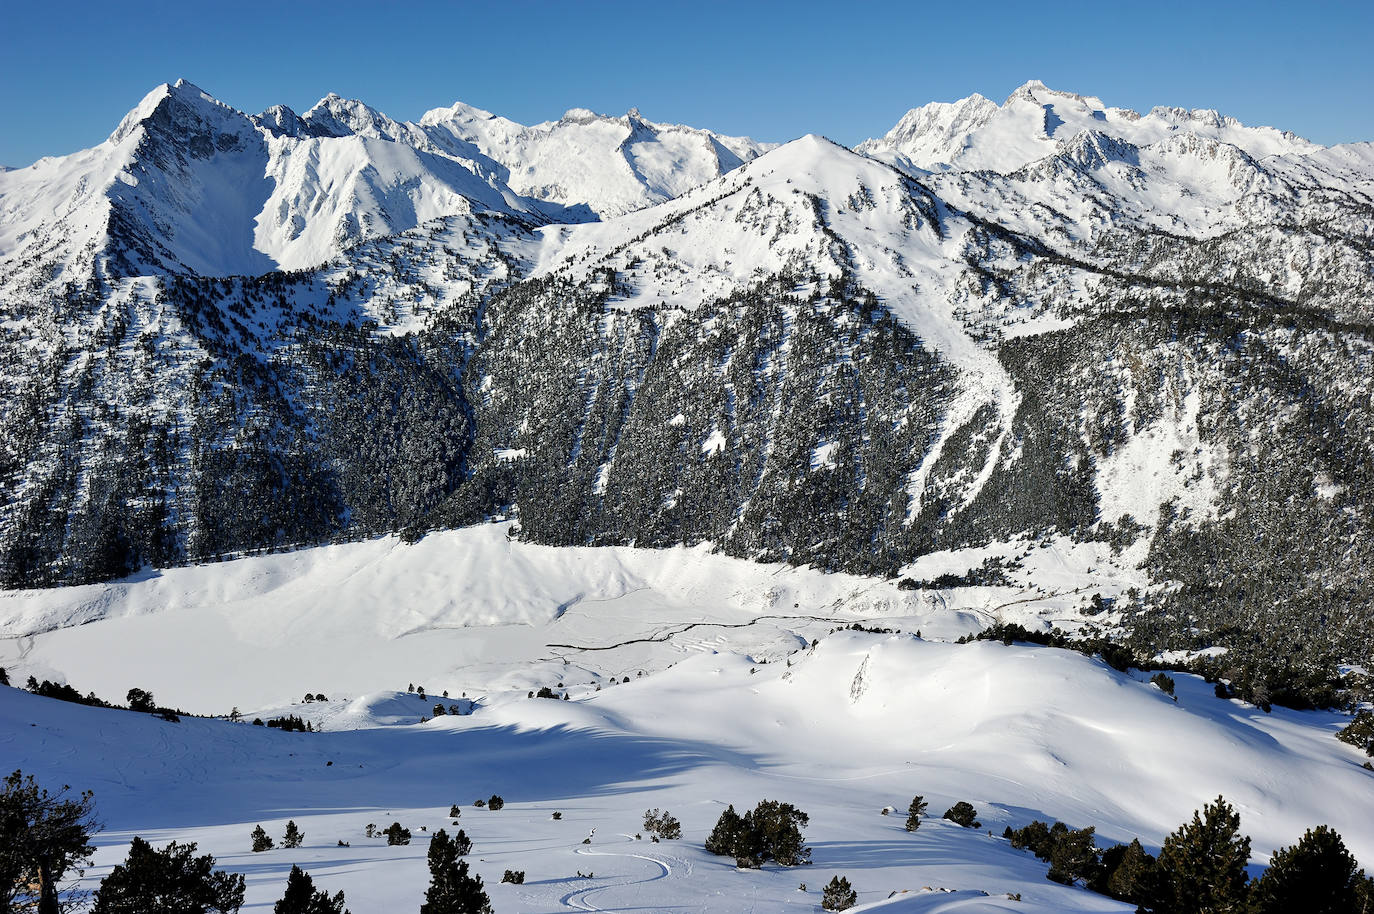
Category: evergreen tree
[1316,876]
[914,812]
[838,895]
[771,830]
[963,813]
[396,835]
[168,881]
[1074,856]
[1126,872]
[261,840]
[1201,868]
[462,844]
[301,897]
[141,700]
[42,836]
[294,836]
[451,889]
[723,836]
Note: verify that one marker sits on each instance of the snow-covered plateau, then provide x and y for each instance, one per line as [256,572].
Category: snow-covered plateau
[722,445]
[694,681]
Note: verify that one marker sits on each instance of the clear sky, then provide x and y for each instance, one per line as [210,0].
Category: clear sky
[849,70]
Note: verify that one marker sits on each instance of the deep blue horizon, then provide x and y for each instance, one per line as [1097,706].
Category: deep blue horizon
[772,71]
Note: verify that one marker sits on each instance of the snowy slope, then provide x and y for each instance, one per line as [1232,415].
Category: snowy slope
[843,728]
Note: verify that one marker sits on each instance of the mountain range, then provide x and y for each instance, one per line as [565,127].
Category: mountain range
[227,333]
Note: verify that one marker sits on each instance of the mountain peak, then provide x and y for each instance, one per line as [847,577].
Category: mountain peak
[183,91]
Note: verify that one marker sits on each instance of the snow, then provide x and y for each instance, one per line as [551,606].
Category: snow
[976,134]
[842,729]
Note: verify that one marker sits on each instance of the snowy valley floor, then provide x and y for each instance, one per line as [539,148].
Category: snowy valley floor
[735,710]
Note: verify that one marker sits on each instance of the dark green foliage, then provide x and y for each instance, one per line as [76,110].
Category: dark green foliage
[1071,853]
[838,895]
[1360,732]
[42,836]
[462,844]
[262,841]
[1315,876]
[1126,872]
[63,692]
[1074,856]
[290,723]
[454,812]
[914,811]
[1164,681]
[661,825]
[495,802]
[451,889]
[140,700]
[963,813]
[294,836]
[770,831]
[1201,868]
[396,835]
[4,677]
[302,898]
[514,877]
[168,881]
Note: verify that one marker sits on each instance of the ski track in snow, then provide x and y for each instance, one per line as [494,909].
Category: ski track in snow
[579,899]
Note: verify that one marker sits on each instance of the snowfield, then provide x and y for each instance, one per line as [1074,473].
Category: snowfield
[728,701]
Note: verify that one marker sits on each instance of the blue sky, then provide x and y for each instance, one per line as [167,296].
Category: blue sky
[69,71]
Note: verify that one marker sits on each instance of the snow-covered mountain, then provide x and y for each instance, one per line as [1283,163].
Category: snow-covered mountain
[1084,322]
[975,133]
[591,393]
[186,184]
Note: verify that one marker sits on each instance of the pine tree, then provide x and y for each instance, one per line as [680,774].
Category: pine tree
[462,844]
[396,835]
[451,889]
[168,881]
[838,895]
[963,813]
[301,897]
[42,836]
[914,812]
[1316,876]
[294,836]
[723,836]
[1126,872]
[1074,856]
[261,840]
[1201,868]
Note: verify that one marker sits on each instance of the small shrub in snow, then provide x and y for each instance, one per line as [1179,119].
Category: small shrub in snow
[454,812]
[1164,681]
[660,824]
[514,877]
[838,895]
[915,811]
[557,815]
[964,814]
[261,840]
[396,835]
[479,803]
[495,802]
[293,837]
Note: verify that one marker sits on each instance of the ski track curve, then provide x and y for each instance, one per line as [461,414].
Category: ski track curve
[580,899]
